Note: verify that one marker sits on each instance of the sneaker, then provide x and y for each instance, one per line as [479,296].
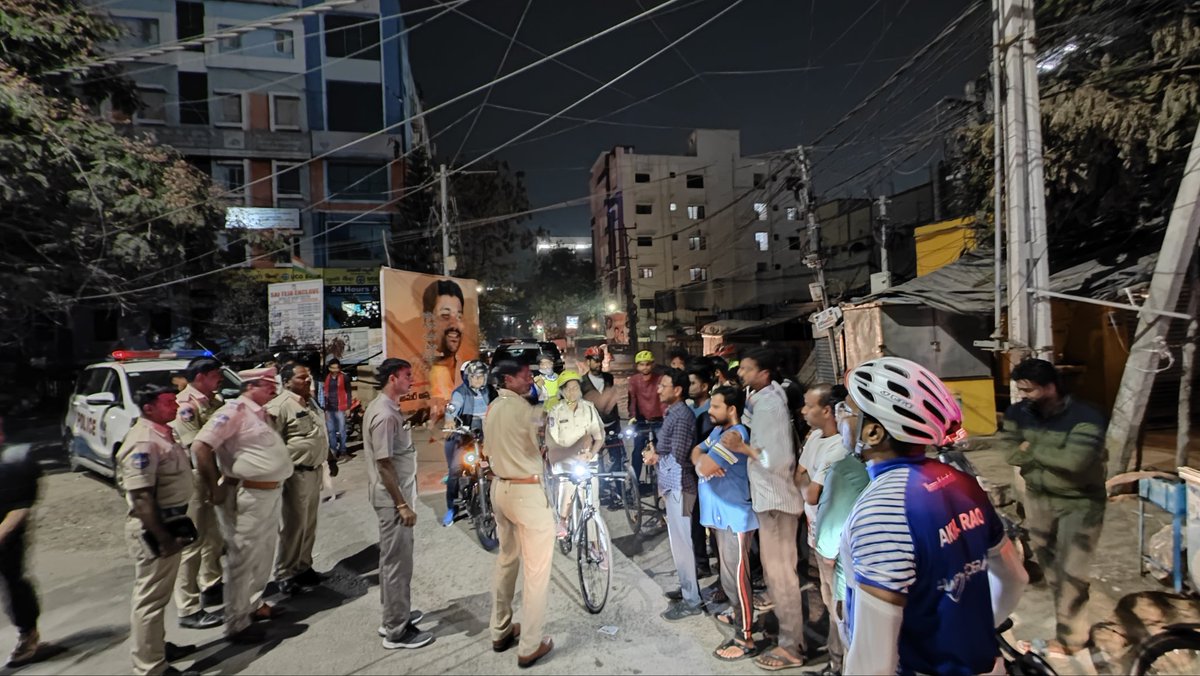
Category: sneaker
[681,611]
[449,518]
[410,637]
[674,595]
[26,650]
[202,620]
[414,616]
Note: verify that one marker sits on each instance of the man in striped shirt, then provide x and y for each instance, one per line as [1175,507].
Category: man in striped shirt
[929,571]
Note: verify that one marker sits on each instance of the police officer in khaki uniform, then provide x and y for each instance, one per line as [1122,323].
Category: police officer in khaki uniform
[253,463]
[157,474]
[524,520]
[301,423]
[200,566]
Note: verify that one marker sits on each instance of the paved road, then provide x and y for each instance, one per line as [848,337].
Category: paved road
[84,577]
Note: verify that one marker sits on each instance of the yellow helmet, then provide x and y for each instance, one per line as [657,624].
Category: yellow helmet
[566,377]
[643,356]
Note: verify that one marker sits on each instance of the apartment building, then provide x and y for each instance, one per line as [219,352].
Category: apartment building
[253,109]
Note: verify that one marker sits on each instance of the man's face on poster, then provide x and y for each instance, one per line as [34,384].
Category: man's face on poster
[448,324]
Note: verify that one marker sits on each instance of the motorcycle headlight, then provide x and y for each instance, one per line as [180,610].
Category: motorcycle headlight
[469,459]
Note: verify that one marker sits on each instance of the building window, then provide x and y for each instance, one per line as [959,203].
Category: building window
[646,273]
[644,209]
[762,240]
[645,241]
[352,37]
[154,106]
[697,243]
[762,266]
[354,106]
[695,181]
[285,112]
[189,22]
[641,178]
[793,214]
[793,243]
[284,249]
[358,241]
[759,179]
[285,43]
[761,210]
[227,107]
[266,43]
[696,212]
[136,32]
[357,182]
[288,180]
[193,98]
[231,176]
[698,274]
[674,206]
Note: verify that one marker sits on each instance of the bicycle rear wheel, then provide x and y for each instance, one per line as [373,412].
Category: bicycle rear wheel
[1172,652]
[594,559]
[631,500]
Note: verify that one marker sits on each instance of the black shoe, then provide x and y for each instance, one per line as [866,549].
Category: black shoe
[293,586]
[704,570]
[674,595]
[410,637]
[681,611]
[213,596]
[174,652]
[202,620]
[309,578]
[249,636]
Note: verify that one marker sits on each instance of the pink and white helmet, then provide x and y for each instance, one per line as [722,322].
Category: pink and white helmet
[911,403]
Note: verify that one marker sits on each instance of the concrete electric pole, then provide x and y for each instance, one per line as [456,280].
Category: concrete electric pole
[445,214]
[884,231]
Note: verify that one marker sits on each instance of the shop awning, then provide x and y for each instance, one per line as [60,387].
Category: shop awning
[730,327]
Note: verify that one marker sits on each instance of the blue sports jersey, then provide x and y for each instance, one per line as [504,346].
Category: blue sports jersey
[924,529]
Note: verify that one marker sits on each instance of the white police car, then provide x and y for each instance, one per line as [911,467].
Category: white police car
[101,410]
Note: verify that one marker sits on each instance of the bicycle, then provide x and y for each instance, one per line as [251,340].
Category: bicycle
[653,510]
[1174,650]
[1021,663]
[587,533]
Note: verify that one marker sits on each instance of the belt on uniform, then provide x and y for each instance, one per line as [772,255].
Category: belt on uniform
[306,468]
[535,479]
[171,512]
[260,485]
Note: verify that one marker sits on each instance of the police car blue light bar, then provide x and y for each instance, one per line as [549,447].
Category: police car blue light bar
[126,355]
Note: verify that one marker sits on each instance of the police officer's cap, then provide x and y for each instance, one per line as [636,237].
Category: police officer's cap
[252,375]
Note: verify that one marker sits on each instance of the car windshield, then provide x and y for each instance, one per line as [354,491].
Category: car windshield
[162,377]
[520,354]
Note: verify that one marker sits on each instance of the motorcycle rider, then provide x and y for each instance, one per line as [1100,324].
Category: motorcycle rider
[921,537]
[467,408]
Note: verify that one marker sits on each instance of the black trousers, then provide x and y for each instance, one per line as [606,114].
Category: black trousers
[20,600]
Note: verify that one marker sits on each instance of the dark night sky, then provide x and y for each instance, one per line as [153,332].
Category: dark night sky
[451,55]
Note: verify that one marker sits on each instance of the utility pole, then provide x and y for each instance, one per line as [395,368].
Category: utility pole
[445,212]
[806,197]
[1029,323]
[1178,249]
[884,230]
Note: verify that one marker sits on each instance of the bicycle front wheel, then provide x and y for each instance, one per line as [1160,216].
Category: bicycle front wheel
[484,517]
[594,558]
[1172,652]
[631,500]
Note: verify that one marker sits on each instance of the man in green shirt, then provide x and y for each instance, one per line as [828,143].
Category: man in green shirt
[1058,444]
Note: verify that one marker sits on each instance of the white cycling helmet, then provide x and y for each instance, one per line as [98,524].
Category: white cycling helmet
[911,403]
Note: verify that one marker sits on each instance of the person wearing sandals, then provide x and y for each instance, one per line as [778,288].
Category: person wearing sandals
[726,508]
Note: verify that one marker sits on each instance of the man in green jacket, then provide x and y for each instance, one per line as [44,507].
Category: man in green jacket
[1058,444]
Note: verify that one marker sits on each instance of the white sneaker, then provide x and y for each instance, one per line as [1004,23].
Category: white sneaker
[414,616]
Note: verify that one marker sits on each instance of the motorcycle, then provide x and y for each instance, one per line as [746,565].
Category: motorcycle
[474,479]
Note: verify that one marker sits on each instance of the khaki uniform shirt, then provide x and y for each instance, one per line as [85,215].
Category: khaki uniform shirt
[569,433]
[387,435]
[195,409]
[247,447]
[152,458]
[510,434]
[302,427]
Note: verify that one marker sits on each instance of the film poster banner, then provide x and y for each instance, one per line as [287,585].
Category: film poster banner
[296,314]
[616,331]
[431,321]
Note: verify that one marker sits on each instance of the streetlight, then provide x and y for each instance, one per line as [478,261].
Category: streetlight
[612,307]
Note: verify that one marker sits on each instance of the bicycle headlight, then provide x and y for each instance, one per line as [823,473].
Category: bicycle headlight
[581,470]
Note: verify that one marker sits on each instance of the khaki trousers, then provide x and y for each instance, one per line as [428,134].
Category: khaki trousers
[250,523]
[834,643]
[298,531]
[395,568]
[1064,533]
[777,544]
[200,563]
[525,528]
[153,579]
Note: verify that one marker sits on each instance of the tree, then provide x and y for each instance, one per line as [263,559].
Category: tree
[87,212]
[1119,109]
[566,285]
[412,246]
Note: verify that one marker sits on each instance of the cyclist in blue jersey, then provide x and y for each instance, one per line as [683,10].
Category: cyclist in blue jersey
[929,571]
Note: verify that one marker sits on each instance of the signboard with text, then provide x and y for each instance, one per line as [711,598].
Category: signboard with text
[296,312]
